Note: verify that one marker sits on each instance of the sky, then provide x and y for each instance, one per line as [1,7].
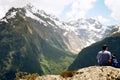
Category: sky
[106,11]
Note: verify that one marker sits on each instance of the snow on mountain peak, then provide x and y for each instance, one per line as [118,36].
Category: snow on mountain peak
[76,34]
[34,10]
[12,15]
[88,31]
[116,29]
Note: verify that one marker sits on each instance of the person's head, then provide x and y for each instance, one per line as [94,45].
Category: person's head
[105,47]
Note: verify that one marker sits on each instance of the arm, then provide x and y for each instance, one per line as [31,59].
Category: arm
[98,56]
[110,58]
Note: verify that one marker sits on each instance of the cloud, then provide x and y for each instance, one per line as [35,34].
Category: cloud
[55,7]
[50,6]
[5,5]
[79,8]
[102,20]
[114,6]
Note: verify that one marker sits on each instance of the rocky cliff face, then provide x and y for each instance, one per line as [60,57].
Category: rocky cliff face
[90,73]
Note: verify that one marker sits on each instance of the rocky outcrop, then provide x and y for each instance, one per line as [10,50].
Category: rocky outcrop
[90,73]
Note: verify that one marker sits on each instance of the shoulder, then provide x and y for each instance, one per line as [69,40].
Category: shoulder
[100,52]
[108,52]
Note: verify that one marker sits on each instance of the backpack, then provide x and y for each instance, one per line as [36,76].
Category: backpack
[115,62]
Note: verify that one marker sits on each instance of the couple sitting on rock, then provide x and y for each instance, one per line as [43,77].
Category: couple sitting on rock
[105,58]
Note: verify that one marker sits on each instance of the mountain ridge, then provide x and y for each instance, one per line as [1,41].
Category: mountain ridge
[93,30]
[37,42]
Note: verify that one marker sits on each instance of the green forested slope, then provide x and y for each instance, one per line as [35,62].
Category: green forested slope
[24,49]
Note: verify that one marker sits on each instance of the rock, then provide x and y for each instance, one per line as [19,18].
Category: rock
[98,73]
[89,73]
[49,77]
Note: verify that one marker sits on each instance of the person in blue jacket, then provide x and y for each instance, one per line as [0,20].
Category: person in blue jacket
[104,56]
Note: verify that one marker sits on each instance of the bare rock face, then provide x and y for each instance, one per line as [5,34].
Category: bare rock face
[90,73]
[98,73]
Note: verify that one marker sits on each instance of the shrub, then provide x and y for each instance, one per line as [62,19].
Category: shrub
[26,76]
[68,73]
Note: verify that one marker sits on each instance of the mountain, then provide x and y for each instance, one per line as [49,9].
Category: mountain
[34,41]
[87,57]
[74,35]
[89,73]
[89,31]
[83,32]
[29,45]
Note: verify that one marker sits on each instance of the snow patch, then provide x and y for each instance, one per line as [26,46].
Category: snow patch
[5,20]
[12,15]
[50,23]
[29,14]
[65,33]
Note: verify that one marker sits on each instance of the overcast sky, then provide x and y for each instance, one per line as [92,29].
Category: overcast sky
[106,11]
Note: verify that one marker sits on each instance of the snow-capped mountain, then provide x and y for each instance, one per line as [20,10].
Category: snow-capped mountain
[115,29]
[74,34]
[34,41]
[89,30]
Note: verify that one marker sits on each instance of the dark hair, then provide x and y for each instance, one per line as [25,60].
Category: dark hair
[104,47]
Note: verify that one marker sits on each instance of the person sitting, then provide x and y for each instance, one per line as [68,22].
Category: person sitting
[104,57]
